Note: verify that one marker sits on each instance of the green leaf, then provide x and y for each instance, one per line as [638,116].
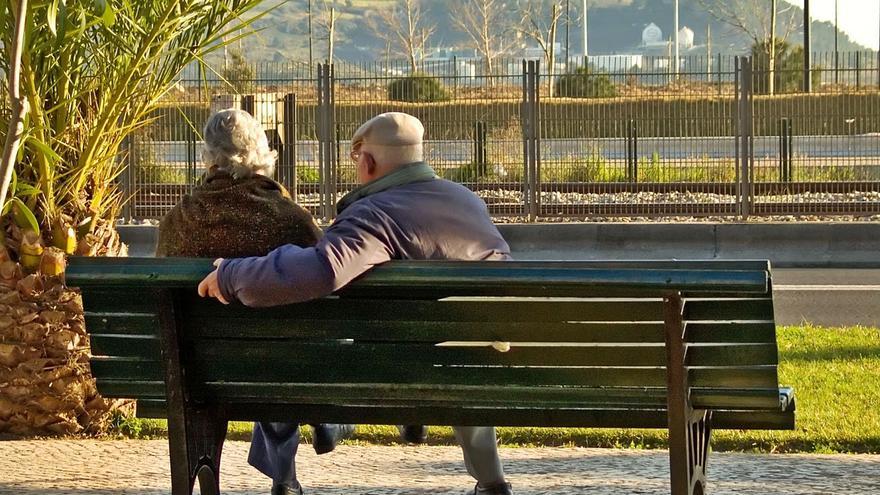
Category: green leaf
[23,216]
[105,11]
[52,17]
[43,148]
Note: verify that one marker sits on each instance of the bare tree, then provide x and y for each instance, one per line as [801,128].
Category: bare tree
[541,29]
[483,21]
[405,28]
[327,24]
[757,19]
[752,17]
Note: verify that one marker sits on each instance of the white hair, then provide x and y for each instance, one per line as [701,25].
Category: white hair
[396,155]
[235,140]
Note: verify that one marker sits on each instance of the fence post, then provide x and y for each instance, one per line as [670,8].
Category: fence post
[326,138]
[785,153]
[190,157]
[481,155]
[531,195]
[858,70]
[127,193]
[745,149]
[632,151]
[288,134]
[247,103]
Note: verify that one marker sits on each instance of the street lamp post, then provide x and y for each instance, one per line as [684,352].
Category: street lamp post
[584,26]
[836,36]
[808,63]
[675,38]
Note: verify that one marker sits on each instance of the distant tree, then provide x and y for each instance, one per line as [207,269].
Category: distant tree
[405,28]
[326,23]
[759,20]
[788,76]
[238,73]
[585,83]
[541,28]
[485,24]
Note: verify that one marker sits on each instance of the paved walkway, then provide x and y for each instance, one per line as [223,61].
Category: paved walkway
[95,467]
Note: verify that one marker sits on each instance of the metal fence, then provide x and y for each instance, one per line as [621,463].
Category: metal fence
[611,138]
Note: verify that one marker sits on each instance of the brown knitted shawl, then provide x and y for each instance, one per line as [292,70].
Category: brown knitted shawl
[233,218]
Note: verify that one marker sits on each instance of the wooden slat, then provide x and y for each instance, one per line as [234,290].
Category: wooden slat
[126,369]
[448,278]
[121,323]
[732,332]
[580,417]
[732,355]
[424,373]
[131,389]
[473,310]
[140,346]
[424,331]
[729,310]
[120,300]
[744,399]
[420,394]
[734,377]
[416,355]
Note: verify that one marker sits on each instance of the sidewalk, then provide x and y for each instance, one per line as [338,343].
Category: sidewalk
[95,467]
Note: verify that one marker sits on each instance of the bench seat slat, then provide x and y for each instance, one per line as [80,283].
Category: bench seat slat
[581,417]
[142,346]
[763,332]
[473,310]
[425,331]
[755,309]
[132,300]
[253,353]
[403,354]
[122,323]
[480,396]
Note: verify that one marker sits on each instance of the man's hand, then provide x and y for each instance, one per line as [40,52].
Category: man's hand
[209,287]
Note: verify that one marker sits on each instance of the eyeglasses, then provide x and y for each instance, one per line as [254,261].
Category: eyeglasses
[355,155]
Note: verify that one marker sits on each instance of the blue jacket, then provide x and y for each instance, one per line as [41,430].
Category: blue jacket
[428,220]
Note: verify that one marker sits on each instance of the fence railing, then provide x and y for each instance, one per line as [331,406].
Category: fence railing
[641,141]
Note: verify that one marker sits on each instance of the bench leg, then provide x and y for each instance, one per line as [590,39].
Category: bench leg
[688,459]
[197,456]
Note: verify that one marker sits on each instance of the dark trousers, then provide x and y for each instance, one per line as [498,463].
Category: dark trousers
[273,452]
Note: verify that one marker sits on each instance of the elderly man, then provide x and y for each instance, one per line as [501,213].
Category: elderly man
[239,210]
[401,211]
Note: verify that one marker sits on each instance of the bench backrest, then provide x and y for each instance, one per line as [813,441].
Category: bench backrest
[412,341]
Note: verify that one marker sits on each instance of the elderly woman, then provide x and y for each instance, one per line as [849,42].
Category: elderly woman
[239,211]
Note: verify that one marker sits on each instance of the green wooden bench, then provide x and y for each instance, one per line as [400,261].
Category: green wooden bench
[684,346]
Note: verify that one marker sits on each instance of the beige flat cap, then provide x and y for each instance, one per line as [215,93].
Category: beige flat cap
[390,129]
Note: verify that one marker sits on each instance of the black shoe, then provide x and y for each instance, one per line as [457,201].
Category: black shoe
[499,489]
[286,490]
[326,436]
[413,433]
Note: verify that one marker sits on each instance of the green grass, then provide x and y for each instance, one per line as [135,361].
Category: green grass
[835,373]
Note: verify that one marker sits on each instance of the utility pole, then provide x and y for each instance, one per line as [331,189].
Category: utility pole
[808,55]
[586,44]
[771,84]
[311,57]
[567,39]
[675,38]
[709,52]
[836,36]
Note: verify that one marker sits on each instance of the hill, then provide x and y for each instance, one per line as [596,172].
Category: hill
[615,26]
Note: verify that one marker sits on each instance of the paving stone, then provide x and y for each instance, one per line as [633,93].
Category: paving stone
[104,467]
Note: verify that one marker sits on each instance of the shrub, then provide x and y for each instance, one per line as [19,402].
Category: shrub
[585,83]
[789,71]
[417,88]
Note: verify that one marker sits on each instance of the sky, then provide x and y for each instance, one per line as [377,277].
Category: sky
[860,19]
